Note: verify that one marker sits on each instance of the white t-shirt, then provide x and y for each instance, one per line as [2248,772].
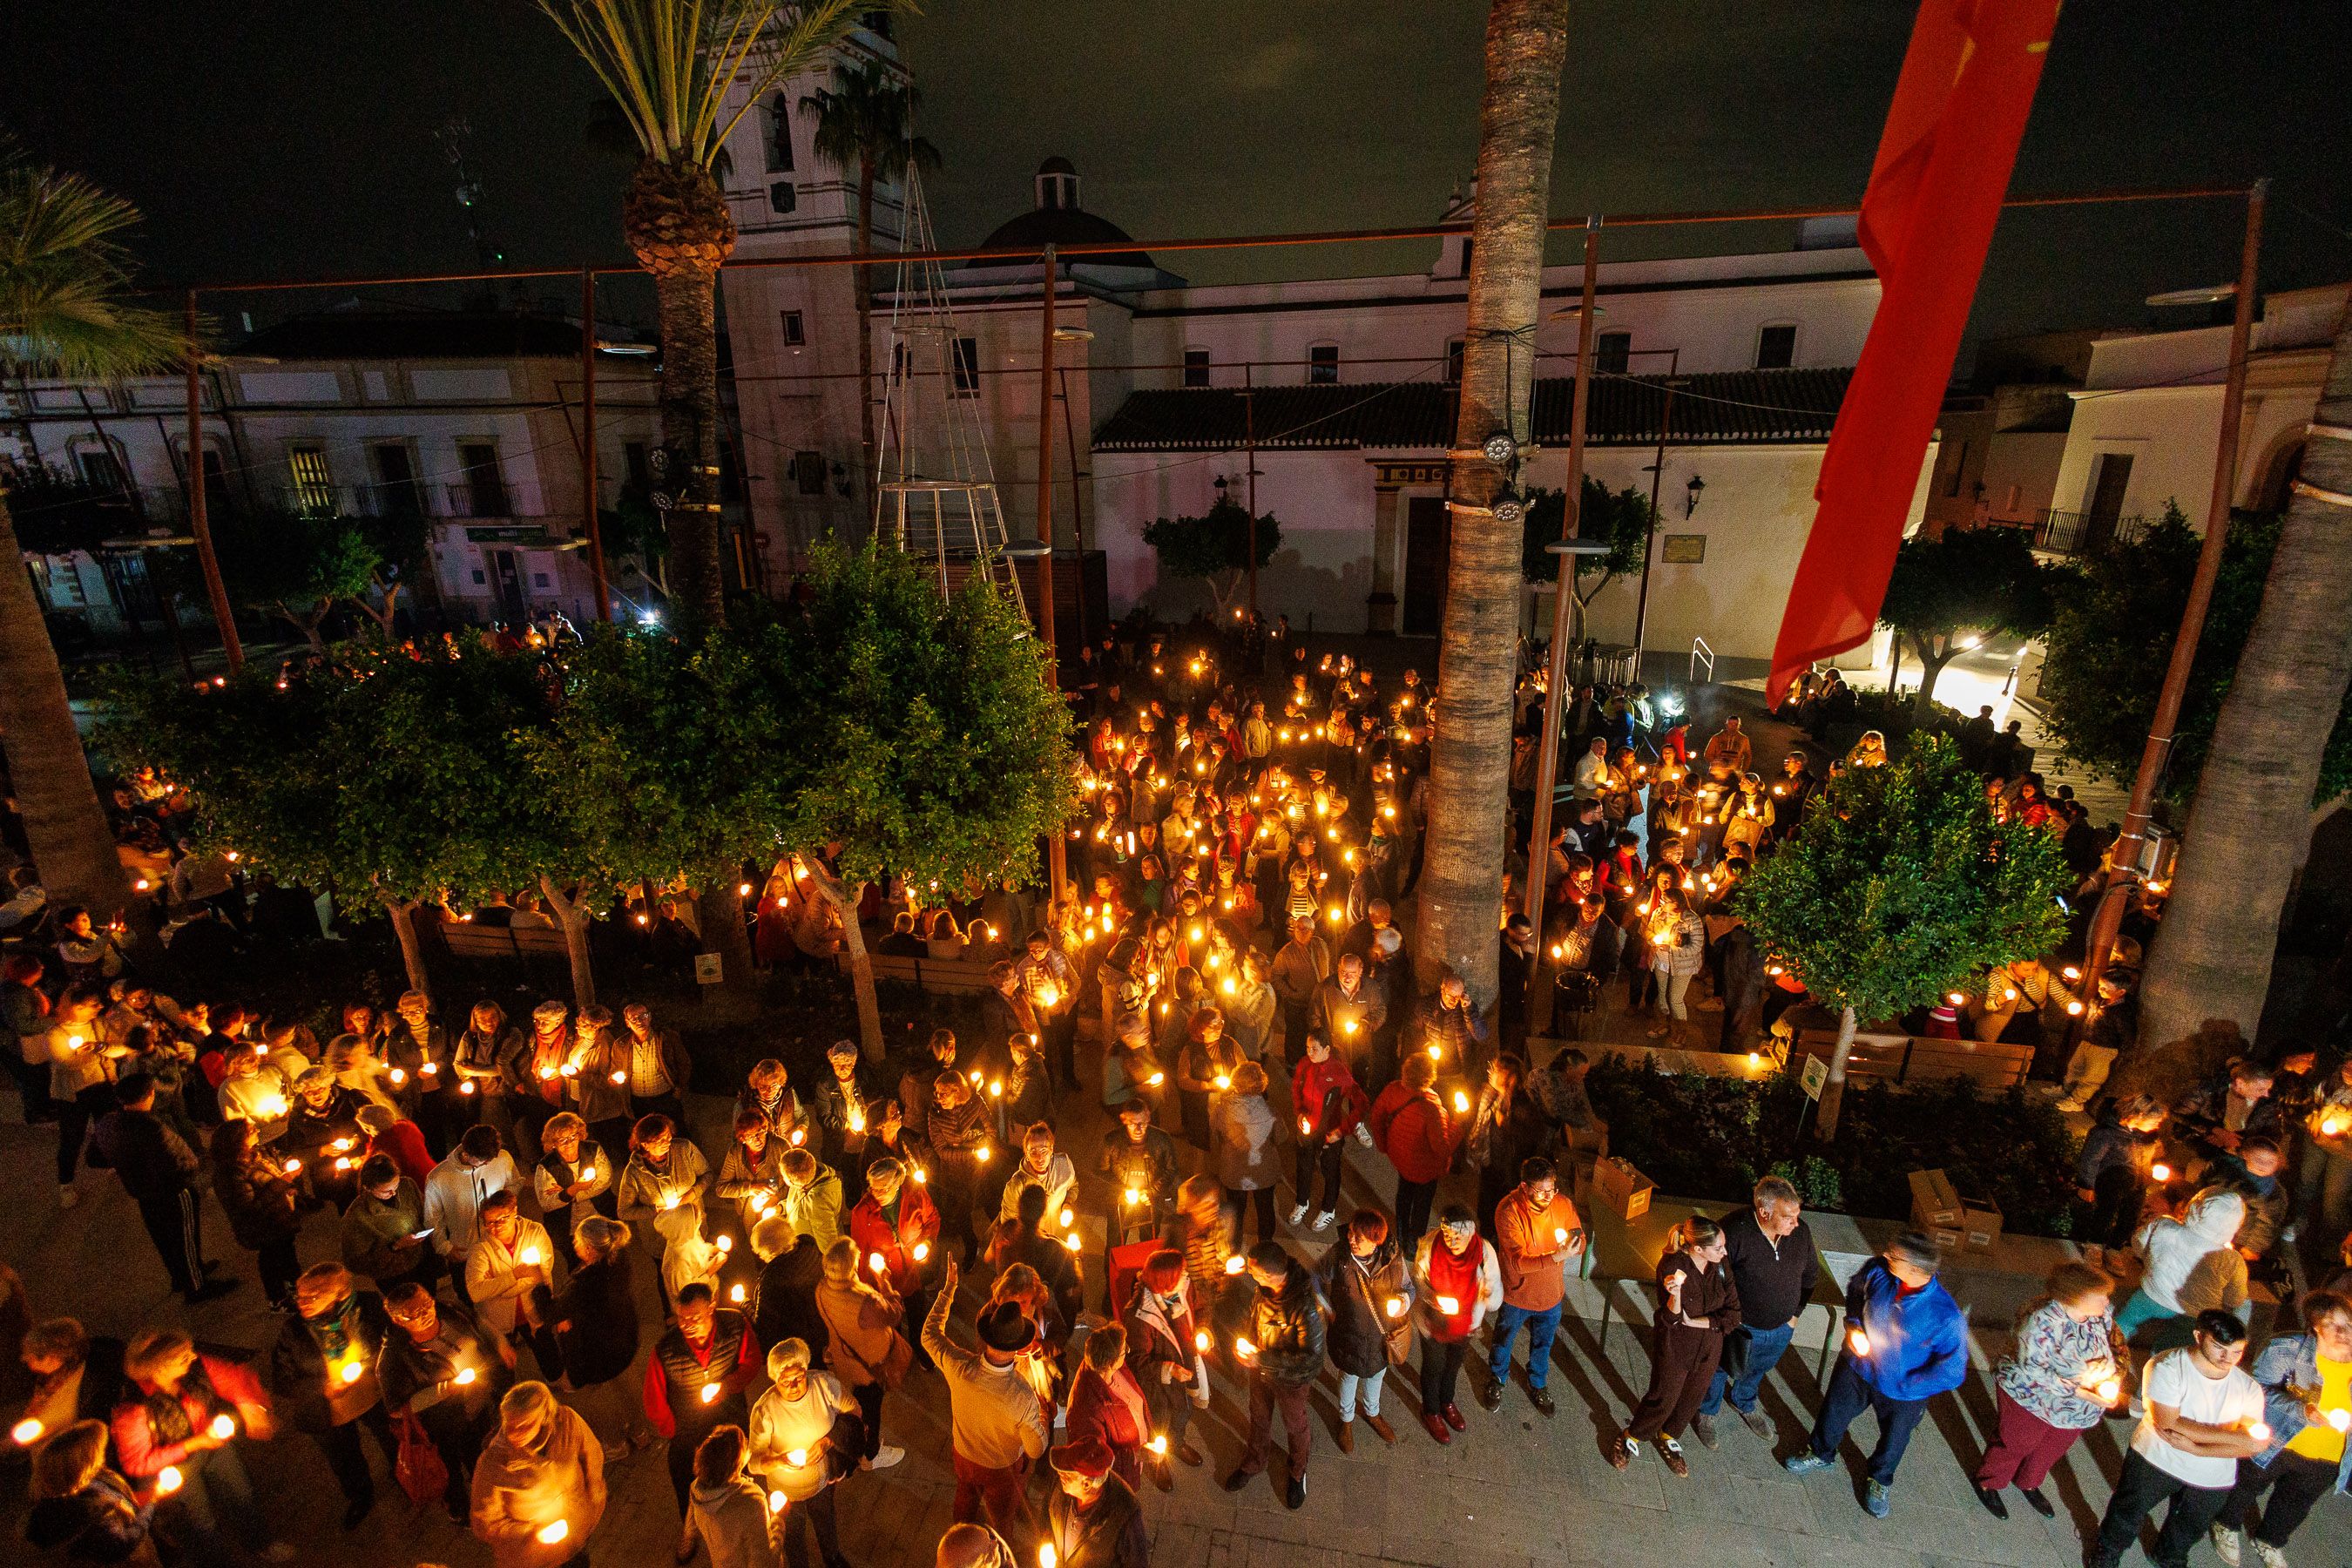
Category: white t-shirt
[2231,1400]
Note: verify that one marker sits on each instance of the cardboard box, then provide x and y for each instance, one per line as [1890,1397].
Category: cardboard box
[1953,1218]
[1621,1189]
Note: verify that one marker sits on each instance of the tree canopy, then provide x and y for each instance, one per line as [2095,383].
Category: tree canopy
[2113,636]
[1970,582]
[1213,546]
[1619,517]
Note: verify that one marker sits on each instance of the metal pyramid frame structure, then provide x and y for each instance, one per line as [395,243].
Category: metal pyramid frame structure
[935,487]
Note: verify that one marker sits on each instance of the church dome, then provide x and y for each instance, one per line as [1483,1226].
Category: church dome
[1058,219]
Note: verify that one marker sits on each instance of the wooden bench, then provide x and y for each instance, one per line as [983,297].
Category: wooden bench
[472,940]
[1918,1058]
[944,976]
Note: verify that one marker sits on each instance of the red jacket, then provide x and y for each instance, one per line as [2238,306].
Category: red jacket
[1413,1129]
[1313,1088]
[1098,1409]
[919,1222]
[405,1144]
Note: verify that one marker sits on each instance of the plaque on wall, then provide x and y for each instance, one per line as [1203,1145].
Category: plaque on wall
[1685,549]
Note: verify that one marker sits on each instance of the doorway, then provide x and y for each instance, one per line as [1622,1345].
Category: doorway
[1428,544]
[2107,487]
[506,584]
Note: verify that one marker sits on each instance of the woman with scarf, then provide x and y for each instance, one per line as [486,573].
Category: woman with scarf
[322,1378]
[1366,1280]
[1163,1352]
[752,1175]
[665,1169]
[478,1066]
[595,1074]
[768,1090]
[417,1055]
[535,1081]
[1456,1285]
[538,1486]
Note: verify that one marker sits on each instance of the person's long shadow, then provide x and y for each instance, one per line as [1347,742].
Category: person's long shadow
[1577,1353]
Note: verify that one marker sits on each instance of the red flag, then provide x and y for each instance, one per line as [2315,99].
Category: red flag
[1935,194]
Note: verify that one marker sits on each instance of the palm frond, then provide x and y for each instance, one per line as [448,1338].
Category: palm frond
[65,282]
[672,66]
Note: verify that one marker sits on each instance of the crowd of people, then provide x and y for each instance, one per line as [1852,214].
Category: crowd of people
[1068,1208]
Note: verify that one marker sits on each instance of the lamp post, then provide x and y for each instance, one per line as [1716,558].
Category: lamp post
[1568,553]
[1057,858]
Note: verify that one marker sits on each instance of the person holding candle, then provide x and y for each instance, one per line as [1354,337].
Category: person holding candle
[1042,1165]
[1698,1308]
[590,1330]
[784,1299]
[418,1059]
[82,1508]
[2112,1173]
[805,1433]
[1329,1104]
[1906,1342]
[1457,1284]
[1094,1519]
[81,1075]
[1349,1012]
[866,1351]
[1242,1129]
[997,1427]
[323,1131]
[442,1372]
[385,1230]
[1538,1235]
[538,1486]
[1281,1349]
[1164,1350]
[695,1381]
[252,1089]
[595,1076]
[455,1190]
[751,1174]
[2066,1373]
[728,1510]
[1769,1250]
[1368,1285]
[76,1376]
[479,1069]
[2214,1115]
[958,1131]
[1410,1126]
[322,1378]
[535,1089]
[896,1221]
[810,1199]
[845,1105]
[1139,1161]
[2306,1381]
[2203,1415]
[263,1202]
[659,1066]
[664,1169]
[1107,1405]
[1298,975]
[1676,937]
[185,1411]
[510,1257]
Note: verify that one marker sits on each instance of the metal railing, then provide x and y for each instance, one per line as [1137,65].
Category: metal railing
[1701,654]
[2083,533]
[479,498]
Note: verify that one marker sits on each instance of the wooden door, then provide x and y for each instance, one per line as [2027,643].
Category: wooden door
[1428,541]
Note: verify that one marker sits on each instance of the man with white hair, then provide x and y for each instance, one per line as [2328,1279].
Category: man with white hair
[1769,1249]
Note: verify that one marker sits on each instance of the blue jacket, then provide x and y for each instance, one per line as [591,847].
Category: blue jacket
[1918,1343]
[2288,1370]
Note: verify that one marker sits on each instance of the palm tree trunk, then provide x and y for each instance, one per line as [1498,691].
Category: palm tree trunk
[2251,823]
[571,917]
[1470,757]
[73,848]
[1825,1124]
[686,299]
[863,279]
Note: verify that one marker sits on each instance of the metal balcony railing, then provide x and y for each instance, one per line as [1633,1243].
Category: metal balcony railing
[482,497]
[2083,533]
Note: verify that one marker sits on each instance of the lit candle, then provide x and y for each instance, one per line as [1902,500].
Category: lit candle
[399,1076]
[984,1153]
[796,1458]
[465,1377]
[1046,1556]
[725,1243]
[293,1167]
[26,1432]
[1243,1348]
[2108,1388]
[528,1257]
[2340,1419]
[920,1250]
[1858,1341]
[466,1087]
[1224,1081]
[735,1294]
[621,1076]
[168,1480]
[1396,1307]
[1199,1342]
[876,1262]
[1460,1099]
[1159,1443]
[552,1531]
[1449,1305]
[1072,1241]
[2159,1171]
[1306,1127]
[710,1393]
[1235,1263]
[352,1372]
[2260,1431]
[776,1502]
[1560,1234]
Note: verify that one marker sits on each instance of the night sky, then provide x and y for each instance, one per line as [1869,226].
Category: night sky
[294,137]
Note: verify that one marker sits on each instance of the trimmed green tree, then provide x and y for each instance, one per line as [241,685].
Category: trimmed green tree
[2113,633]
[928,738]
[1946,594]
[1621,517]
[393,777]
[1902,886]
[1213,546]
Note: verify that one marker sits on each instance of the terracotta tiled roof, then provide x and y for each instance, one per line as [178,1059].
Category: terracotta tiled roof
[1747,406]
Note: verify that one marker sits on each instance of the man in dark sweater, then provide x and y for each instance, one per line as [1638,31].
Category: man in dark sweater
[158,1168]
[1770,1252]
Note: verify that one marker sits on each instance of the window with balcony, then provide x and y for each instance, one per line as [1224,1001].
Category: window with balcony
[1323,365]
[482,491]
[1612,352]
[778,116]
[395,493]
[1454,350]
[1776,346]
[1196,367]
[314,482]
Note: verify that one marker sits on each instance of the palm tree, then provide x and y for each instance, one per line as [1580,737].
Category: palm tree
[862,125]
[64,279]
[1470,754]
[2247,834]
[673,66]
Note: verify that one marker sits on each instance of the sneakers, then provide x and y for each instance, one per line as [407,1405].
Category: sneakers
[1541,1401]
[1992,1502]
[1760,1424]
[1621,1452]
[2225,1542]
[1298,1215]
[1873,1499]
[1489,1395]
[884,1456]
[1324,1221]
[1804,1462]
[1703,1428]
[1363,1135]
[1671,1453]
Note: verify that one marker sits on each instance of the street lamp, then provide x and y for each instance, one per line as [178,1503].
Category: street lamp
[1041,551]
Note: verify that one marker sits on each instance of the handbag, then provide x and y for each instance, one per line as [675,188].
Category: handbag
[418,1466]
[1396,1333]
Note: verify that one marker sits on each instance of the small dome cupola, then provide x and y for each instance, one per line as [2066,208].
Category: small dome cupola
[1057,185]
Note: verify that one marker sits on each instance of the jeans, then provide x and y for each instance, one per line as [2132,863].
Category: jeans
[1848,1397]
[1239,1201]
[1678,991]
[217,1496]
[1359,1395]
[2300,1483]
[2138,1491]
[1749,1357]
[1541,1326]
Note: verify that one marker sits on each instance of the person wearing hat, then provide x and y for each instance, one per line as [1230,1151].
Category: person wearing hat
[542,1467]
[695,1383]
[385,1232]
[998,1427]
[1906,1342]
[804,1437]
[1094,1520]
[1282,1351]
[1164,1354]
